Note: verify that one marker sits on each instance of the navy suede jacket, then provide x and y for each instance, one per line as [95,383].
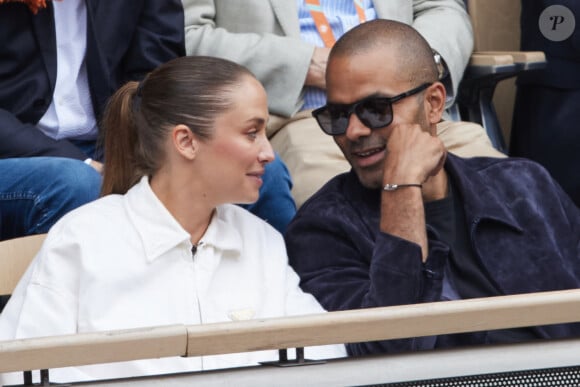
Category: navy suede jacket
[523,228]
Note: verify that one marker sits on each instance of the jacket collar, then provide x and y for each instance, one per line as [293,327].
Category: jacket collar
[160,232]
[475,189]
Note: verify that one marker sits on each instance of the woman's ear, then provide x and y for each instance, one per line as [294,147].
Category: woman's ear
[435,97]
[184,141]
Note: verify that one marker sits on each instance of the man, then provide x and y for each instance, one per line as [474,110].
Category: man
[412,223]
[279,41]
[59,66]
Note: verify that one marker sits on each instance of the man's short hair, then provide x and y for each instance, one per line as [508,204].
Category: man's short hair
[414,55]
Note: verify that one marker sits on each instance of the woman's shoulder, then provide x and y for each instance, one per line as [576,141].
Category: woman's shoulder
[107,209]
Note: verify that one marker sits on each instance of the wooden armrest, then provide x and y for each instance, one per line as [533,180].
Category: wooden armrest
[489,59]
[485,70]
[92,348]
[518,56]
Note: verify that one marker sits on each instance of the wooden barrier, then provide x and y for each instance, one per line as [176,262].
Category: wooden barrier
[386,323]
[510,364]
[291,332]
[92,348]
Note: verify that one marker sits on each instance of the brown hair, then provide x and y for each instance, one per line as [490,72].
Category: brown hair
[191,91]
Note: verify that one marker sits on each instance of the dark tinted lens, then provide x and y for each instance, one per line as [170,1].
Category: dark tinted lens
[338,118]
[324,119]
[333,119]
[375,112]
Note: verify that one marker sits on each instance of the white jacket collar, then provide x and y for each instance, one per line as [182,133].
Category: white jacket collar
[160,231]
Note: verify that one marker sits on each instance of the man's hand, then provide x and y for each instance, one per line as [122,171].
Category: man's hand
[413,155]
[317,71]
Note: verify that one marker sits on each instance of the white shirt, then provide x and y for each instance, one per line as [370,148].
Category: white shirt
[123,261]
[70,114]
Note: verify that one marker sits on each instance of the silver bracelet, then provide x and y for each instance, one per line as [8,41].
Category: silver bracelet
[394,187]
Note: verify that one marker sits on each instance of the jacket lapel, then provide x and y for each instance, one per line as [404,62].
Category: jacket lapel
[43,24]
[287,15]
[95,59]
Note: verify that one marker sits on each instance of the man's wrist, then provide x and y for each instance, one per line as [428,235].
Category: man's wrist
[394,187]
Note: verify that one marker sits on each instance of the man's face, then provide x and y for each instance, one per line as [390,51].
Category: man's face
[351,79]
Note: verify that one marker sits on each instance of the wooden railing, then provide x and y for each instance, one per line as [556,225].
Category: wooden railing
[292,332]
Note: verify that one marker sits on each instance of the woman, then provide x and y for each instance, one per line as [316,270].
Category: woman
[163,246]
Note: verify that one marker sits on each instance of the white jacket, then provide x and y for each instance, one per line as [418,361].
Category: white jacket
[124,262]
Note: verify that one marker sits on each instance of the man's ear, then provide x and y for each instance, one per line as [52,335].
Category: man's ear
[184,141]
[435,96]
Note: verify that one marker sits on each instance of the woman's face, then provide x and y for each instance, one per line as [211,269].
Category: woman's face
[235,157]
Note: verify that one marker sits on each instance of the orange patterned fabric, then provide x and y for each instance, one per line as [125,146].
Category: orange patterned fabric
[34,5]
[321,22]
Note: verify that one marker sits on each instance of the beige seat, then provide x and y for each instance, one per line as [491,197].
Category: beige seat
[15,256]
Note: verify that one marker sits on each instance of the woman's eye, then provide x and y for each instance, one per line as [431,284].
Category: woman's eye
[252,134]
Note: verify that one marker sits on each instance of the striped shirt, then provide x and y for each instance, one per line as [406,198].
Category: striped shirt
[342,16]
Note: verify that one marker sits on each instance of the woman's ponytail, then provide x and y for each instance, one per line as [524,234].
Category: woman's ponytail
[121,140]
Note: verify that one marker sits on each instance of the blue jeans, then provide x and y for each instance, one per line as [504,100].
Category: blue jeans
[275,205]
[36,191]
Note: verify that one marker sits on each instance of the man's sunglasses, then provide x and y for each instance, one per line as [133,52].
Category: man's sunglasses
[374,112]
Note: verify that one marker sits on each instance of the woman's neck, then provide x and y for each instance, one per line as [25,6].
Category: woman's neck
[192,210]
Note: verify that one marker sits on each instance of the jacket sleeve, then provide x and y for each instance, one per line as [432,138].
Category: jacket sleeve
[344,267]
[159,37]
[44,302]
[446,26]
[278,61]
[19,139]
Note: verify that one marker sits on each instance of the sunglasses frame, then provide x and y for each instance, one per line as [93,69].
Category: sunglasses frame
[351,108]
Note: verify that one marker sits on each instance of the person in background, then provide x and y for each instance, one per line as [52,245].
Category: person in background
[171,249]
[61,61]
[413,223]
[280,42]
[37,191]
[546,115]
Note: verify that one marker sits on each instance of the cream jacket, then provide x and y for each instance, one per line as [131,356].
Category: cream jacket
[124,262]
